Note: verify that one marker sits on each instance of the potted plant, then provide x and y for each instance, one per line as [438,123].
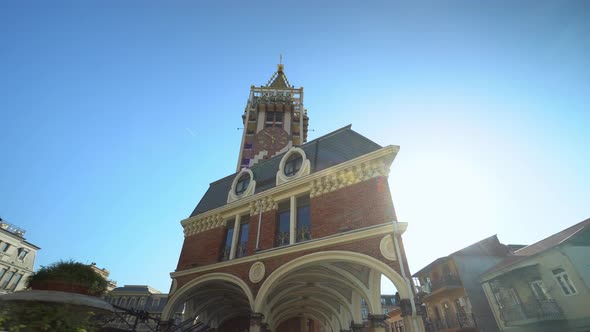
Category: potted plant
[68,276]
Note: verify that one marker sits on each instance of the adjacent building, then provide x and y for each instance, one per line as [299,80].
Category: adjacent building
[138,308]
[17,258]
[544,286]
[299,236]
[451,289]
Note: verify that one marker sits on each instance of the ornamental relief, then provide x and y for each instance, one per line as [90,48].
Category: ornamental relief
[262,205]
[348,177]
[203,224]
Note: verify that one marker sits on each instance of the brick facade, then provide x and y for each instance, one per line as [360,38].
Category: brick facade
[361,205]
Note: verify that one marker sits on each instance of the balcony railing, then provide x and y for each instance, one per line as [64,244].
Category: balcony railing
[224,255]
[303,233]
[536,310]
[461,320]
[449,280]
[282,239]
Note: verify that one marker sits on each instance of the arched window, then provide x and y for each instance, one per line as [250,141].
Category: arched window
[293,164]
[242,184]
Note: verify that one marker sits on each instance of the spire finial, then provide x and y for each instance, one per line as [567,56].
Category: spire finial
[280,66]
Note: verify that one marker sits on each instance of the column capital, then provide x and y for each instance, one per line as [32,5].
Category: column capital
[377,320]
[256,319]
[356,327]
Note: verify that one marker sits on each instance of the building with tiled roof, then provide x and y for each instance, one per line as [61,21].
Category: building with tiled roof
[17,258]
[544,286]
[299,236]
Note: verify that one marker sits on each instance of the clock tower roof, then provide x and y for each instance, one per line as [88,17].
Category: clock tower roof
[279,80]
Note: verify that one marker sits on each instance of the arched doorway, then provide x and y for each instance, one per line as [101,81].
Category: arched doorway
[213,300]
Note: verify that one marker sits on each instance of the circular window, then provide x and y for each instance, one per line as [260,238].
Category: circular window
[293,164]
[242,184]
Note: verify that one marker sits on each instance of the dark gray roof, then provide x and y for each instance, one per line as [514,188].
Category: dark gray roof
[332,149]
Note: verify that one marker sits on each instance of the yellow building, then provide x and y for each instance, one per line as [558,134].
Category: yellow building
[451,292]
[544,286]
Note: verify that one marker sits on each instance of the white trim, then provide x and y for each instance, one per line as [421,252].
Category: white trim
[339,238]
[232,196]
[306,180]
[304,170]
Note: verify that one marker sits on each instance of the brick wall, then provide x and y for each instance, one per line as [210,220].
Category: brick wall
[363,204]
[201,249]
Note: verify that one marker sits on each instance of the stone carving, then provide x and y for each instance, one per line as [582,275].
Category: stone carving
[262,205]
[387,248]
[349,176]
[203,224]
[377,320]
[257,271]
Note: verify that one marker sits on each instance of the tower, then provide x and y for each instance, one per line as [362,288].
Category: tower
[274,120]
[299,236]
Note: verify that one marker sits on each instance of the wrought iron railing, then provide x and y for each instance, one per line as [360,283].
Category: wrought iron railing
[449,280]
[241,250]
[447,322]
[303,233]
[282,239]
[225,252]
[536,310]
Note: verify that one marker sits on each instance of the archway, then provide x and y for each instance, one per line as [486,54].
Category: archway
[327,287]
[211,299]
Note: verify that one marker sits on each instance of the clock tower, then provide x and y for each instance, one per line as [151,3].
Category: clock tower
[274,120]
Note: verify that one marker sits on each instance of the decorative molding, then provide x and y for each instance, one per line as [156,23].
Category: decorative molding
[387,154]
[339,238]
[257,271]
[378,320]
[232,196]
[304,170]
[387,249]
[349,176]
[203,224]
[263,205]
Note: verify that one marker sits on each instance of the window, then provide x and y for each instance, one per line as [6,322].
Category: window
[2,272]
[382,301]
[7,279]
[293,164]
[365,313]
[303,219]
[539,290]
[274,119]
[22,253]
[283,224]
[242,239]
[564,281]
[242,184]
[16,281]
[229,235]
[4,247]
[155,303]
[141,304]
[385,311]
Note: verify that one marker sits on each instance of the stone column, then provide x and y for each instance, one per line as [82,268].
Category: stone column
[411,323]
[356,327]
[256,322]
[377,323]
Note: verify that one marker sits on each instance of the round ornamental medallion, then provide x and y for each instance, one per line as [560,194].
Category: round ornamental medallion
[387,249]
[256,272]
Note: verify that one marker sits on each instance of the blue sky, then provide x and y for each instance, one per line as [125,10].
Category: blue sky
[116,116]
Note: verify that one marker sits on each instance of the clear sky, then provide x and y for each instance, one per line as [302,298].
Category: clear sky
[116,116]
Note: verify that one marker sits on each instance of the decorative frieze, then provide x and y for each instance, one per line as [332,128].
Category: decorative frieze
[203,224]
[262,205]
[349,176]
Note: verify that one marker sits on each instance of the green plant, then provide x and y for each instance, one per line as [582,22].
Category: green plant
[70,273]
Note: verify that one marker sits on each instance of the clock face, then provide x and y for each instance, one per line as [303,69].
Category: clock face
[272,138]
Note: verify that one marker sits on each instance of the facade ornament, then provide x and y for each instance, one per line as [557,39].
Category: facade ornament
[349,176]
[356,327]
[256,319]
[378,320]
[263,205]
[387,248]
[257,271]
[203,224]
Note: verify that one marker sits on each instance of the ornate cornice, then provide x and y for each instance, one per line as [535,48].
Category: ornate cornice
[204,224]
[263,205]
[349,176]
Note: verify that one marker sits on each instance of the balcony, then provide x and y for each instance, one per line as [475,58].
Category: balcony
[449,281]
[460,322]
[531,312]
